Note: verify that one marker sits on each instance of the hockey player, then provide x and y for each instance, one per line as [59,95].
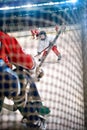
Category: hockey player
[11,53]
[34,33]
[56,28]
[43,44]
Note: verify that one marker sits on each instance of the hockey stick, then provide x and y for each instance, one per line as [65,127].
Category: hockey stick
[51,44]
[42,51]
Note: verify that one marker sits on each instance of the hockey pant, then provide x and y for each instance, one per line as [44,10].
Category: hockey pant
[9,82]
[54,49]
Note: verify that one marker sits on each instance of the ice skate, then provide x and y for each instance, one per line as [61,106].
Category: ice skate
[59,57]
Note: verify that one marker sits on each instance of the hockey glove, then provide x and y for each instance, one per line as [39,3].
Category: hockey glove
[39,72]
[38,53]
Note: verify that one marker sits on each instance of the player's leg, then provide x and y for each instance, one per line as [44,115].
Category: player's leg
[1,104]
[1,84]
[33,34]
[43,55]
[1,92]
[43,110]
[55,50]
[12,81]
[9,81]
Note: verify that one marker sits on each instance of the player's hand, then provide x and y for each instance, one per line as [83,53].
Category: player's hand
[38,53]
[39,72]
[50,43]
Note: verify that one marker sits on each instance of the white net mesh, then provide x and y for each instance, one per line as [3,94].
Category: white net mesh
[62,86]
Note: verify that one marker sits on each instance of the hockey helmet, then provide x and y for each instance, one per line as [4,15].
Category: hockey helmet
[42,35]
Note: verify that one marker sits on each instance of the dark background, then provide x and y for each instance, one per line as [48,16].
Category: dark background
[40,16]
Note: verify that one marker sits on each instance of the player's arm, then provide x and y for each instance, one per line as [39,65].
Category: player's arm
[20,58]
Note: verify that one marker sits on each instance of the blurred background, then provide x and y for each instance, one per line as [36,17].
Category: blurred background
[64,85]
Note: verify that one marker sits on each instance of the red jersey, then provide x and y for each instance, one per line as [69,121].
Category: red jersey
[11,52]
[56,28]
[33,32]
[36,32]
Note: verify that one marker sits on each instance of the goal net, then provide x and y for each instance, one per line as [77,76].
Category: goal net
[63,86]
